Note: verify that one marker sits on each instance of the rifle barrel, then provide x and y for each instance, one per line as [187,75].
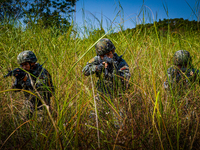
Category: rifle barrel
[9,74]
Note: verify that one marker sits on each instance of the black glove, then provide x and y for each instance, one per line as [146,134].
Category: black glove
[18,73]
[100,67]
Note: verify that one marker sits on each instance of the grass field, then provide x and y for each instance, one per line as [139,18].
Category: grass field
[154,118]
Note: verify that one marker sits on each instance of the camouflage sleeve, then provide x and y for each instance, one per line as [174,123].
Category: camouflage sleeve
[92,66]
[124,73]
[196,75]
[44,80]
[50,83]
[17,84]
[45,86]
[170,78]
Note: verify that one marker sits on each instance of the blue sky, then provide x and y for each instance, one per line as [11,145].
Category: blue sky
[154,10]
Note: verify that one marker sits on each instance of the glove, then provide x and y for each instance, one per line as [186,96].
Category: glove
[18,73]
[99,67]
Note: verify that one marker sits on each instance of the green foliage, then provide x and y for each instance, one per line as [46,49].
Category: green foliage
[56,14]
[10,9]
[50,13]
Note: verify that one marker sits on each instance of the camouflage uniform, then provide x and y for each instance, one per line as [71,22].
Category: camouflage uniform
[118,72]
[184,77]
[181,79]
[115,82]
[118,75]
[41,80]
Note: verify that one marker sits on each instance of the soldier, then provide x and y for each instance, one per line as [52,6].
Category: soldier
[181,79]
[181,75]
[36,79]
[111,69]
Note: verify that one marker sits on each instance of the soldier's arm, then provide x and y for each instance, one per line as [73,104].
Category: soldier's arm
[50,83]
[124,72]
[170,76]
[44,85]
[44,80]
[48,94]
[20,82]
[17,84]
[198,76]
[93,66]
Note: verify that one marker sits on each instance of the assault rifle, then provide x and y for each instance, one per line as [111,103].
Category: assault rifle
[19,73]
[109,61]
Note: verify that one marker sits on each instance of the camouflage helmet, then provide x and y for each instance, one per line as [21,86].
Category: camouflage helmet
[26,56]
[104,46]
[182,57]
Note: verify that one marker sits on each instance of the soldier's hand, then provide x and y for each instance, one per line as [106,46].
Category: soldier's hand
[105,64]
[108,60]
[99,67]
[18,73]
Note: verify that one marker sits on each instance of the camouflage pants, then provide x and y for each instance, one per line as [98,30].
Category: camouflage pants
[107,109]
[28,111]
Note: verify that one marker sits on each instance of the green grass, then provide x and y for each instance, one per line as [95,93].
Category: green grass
[154,118]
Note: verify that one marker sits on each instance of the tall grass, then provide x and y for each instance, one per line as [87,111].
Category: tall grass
[154,118]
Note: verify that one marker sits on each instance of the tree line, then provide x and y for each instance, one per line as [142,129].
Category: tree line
[49,13]
[163,26]
[175,24]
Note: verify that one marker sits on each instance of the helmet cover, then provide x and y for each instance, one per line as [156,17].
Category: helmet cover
[104,46]
[182,57]
[26,56]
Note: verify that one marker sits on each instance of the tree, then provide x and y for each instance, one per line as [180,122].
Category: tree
[11,9]
[50,13]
